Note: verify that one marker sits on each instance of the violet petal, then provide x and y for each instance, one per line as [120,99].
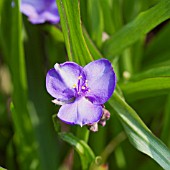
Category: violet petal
[57,88]
[70,72]
[61,80]
[40,11]
[80,112]
[101,80]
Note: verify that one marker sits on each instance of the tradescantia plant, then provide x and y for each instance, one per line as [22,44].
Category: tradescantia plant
[70,49]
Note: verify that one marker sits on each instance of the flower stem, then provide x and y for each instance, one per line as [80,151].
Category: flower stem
[83,133]
[112,145]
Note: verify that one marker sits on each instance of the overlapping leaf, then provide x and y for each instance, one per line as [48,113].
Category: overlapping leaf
[86,154]
[130,33]
[139,135]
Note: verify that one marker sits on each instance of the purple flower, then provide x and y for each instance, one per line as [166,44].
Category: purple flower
[81,91]
[40,11]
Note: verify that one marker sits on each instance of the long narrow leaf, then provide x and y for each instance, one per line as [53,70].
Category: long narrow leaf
[86,154]
[146,88]
[140,136]
[72,31]
[163,71]
[96,21]
[91,46]
[2,168]
[134,30]
[13,48]
[166,123]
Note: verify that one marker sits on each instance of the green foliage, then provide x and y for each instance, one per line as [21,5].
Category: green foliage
[139,134]
[2,168]
[138,47]
[86,154]
[141,25]
[71,26]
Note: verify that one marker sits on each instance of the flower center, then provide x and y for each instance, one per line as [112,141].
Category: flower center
[81,87]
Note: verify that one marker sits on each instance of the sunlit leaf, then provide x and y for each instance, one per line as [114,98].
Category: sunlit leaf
[139,135]
[86,154]
[146,88]
[141,25]
[71,25]
[163,71]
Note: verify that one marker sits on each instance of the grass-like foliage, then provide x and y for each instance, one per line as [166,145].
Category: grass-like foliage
[134,35]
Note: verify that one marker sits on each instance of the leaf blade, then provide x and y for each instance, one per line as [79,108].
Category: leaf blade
[130,33]
[86,154]
[72,31]
[140,136]
[146,88]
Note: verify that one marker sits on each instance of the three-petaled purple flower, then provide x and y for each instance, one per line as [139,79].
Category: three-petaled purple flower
[81,91]
[40,11]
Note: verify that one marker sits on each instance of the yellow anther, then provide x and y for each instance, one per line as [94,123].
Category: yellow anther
[83,87]
[86,81]
[89,90]
[79,77]
[74,85]
[86,84]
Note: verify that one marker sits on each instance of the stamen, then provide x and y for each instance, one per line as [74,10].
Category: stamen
[74,86]
[79,77]
[83,87]
[86,81]
[89,90]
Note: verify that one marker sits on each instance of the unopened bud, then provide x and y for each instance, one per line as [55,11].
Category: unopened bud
[106,114]
[93,127]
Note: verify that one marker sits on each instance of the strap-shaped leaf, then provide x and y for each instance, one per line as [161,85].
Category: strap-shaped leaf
[86,154]
[134,30]
[91,46]
[2,168]
[139,135]
[71,25]
[166,123]
[14,55]
[95,20]
[163,71]
[146,88]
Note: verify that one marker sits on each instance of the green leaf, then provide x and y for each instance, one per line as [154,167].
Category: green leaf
[163,71]
[157,52]
[159,45]
[54,32]
[140,136]
[91,46]
[56,123]
[86,154]
[71,25]
[141,25]
[116,13]
[146,88]
[166,123]
[24,140]
[39,105]
[96,21]
[5,34]
[2,168]
[1,5]
[109,26]
[14,54]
